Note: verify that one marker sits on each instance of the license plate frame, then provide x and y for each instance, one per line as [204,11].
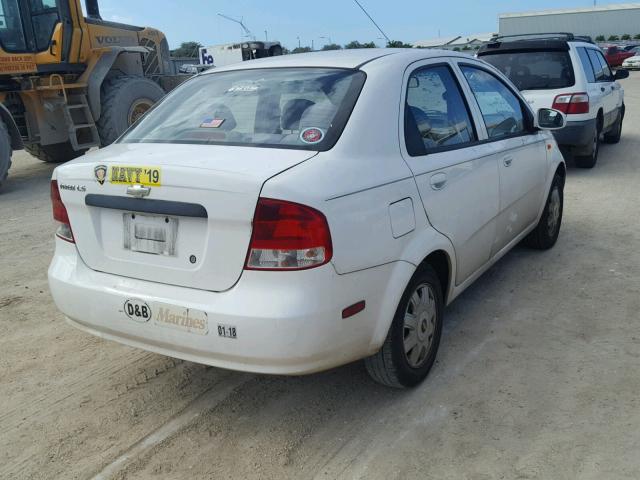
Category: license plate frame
[150,234]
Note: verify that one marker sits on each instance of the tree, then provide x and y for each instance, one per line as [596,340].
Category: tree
[301,50]
[357,44]
[636,36]
[398,44]
[456,49]
[186,50]
[600,38]
[613,38]
[332,46]
[626,36]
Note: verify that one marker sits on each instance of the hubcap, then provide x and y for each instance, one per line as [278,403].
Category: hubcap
[554,212]
[419,325]
[138,109]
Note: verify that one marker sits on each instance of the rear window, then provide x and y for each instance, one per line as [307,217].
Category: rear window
[531,70]
[301,108]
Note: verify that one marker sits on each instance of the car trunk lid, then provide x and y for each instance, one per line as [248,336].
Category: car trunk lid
[191,230]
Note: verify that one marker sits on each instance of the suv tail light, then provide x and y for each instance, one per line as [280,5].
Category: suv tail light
[572,103]
[60,214]
[288,236]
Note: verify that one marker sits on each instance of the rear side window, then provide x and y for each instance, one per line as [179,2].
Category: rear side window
[586,65]
[301,108]
[600,65]
[535,70]
[436,115]
[501,109]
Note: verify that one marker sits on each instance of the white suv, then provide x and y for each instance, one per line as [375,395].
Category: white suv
[569,74]
[306,211]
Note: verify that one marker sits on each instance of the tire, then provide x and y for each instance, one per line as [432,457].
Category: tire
[614,135]
[124,100]
[5,152]
[589,161]
[545,235]
[396,367]
[56,153]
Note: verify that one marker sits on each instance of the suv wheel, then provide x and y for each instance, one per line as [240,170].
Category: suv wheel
[410,348]
[589,161]
[614,135]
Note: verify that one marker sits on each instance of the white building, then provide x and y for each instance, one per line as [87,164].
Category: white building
[460,42]
[604,20]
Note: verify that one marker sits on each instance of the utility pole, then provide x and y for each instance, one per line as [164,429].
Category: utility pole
[298,41]
[312,46]
[266,37]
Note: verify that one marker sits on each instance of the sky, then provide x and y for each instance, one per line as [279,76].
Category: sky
[339,20]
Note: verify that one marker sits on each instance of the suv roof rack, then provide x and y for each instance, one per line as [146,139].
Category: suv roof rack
[541,36]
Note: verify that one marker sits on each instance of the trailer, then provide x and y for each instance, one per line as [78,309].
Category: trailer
[230,53]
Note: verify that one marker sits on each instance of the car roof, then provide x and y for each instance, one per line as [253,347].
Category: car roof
[351,58]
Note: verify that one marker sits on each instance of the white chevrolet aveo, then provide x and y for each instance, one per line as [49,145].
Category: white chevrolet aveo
[293,214]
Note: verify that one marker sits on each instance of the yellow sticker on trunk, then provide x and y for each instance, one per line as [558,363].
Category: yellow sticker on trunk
[127,175]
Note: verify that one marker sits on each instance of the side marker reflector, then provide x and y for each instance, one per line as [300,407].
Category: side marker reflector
[353,309]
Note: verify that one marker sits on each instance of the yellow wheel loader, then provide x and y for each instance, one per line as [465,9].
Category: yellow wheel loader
[70,82]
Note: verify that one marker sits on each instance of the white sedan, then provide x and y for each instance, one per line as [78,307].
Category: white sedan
[631,63]
[301,212]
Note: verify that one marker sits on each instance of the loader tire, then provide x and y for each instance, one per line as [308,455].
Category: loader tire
[55,153]
[124,100]
[5,152]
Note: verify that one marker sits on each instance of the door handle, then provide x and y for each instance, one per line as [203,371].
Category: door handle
[438,181]
[507,161]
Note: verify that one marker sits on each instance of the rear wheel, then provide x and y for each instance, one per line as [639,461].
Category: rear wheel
[5,152]
[56,153]
[589,161]
[616,132]
[124,100]
[410,348]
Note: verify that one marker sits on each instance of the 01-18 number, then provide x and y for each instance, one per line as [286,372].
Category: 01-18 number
[227,331]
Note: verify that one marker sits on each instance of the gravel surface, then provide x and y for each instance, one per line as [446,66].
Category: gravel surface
[537,375]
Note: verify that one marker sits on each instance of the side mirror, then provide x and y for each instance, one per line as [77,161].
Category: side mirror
[550,119]
[621,74]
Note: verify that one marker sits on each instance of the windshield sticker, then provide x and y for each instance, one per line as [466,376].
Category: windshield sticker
[212,122]
[246,88]
[311,135]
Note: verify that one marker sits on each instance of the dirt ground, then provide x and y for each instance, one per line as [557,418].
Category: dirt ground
[537,375]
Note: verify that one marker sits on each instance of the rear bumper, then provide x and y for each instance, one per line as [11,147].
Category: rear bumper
[576,134]
[286,322]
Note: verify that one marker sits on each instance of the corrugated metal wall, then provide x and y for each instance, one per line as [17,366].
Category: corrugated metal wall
[609,22]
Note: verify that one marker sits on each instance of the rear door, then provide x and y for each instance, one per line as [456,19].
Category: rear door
[608,89]
[519,151]
[456,176]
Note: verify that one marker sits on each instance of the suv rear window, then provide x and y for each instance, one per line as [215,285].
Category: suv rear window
[535,70]
[301,108]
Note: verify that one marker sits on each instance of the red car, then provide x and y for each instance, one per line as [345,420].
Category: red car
[616,55]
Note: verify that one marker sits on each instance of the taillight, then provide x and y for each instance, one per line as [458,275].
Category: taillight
[572,103]
[60,214]
[288,236]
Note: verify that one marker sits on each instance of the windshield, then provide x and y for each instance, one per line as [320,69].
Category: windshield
[11,30]
[534,70]
[303,108]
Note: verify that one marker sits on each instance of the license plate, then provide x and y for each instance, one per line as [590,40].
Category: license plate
[141,175]
[155,234]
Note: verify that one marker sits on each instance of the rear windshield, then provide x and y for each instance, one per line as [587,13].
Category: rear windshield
[301,108]
[533,70]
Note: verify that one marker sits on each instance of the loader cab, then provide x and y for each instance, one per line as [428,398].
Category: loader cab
[29,26]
